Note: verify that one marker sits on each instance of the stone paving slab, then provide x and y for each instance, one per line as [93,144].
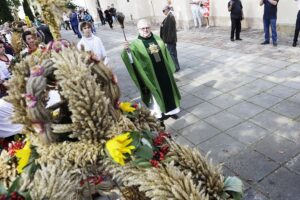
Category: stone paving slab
[252,165]
[221,151]
[247,133]
[279,148]
[286,184]
[240,101]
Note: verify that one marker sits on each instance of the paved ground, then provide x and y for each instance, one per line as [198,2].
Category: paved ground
[241,102]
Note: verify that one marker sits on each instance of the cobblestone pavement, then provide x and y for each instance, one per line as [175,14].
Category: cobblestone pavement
[240,102]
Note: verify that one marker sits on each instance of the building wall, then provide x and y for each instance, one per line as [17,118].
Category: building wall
[152,9]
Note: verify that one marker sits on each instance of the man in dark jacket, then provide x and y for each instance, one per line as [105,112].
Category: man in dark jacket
[46,31]
[169,35]
[236,14]
[113,12]
[108,17]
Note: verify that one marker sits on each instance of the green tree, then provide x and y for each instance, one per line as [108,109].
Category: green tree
[5,12]
[70,5]
[27,10]
[14,3]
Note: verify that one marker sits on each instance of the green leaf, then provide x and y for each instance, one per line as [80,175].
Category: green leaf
[144,152]
[2,188]
[26,195]
[149,136]
[15,185]
[237,196]
[136,139]
[144,164]
[234,186]
[167,160]
[137,161]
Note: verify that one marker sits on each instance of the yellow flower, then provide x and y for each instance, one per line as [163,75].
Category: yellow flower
[118,146]
[23,155]
[126,107]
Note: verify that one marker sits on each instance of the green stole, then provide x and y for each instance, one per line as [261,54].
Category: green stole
[152,71]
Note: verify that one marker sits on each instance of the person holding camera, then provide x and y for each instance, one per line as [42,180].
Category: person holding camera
[270,18]
[235,8]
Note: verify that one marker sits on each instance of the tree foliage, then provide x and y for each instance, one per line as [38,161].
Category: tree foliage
[70,5]
[5,12]
[27,10]
[14,3]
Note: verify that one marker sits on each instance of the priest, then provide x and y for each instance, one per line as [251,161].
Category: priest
[151,68]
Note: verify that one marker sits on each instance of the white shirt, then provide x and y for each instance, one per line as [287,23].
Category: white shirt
[7,128]
[95,45]
[195,4]
[65,17]
[4,73]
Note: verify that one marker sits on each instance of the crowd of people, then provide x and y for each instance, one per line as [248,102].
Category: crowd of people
[72,20]
[17,40]
[269,20]
[33,34]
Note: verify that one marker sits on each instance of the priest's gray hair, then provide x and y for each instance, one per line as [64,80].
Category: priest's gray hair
[143,23]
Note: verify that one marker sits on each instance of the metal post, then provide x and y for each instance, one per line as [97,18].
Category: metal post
[152,8]
[99,5]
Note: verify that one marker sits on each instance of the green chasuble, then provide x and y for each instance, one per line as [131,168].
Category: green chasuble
[152,71]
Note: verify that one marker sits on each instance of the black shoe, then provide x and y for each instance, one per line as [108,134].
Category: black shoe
[275,44]
[265,42]
[238,39]
[294,44]
[232,39]
[174,116]
[162,124]
[163,117]
[177,70]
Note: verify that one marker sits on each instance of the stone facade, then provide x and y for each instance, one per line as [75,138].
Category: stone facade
[152,9]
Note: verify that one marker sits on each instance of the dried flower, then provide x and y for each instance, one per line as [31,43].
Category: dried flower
[14,146]
[37,71]
[31,100]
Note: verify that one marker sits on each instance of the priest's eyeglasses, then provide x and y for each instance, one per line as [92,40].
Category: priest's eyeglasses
[145,28]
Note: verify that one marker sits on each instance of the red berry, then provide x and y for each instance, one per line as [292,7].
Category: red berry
[154,163]
[3,197]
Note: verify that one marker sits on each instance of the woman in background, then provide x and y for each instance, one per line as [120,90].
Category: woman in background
[205,11]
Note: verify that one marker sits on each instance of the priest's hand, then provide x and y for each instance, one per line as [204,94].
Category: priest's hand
[126,45]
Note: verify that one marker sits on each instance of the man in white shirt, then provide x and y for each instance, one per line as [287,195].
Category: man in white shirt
[297,28]
[91,43]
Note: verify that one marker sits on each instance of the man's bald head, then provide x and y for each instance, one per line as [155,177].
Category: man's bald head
[143,26]
[143,23]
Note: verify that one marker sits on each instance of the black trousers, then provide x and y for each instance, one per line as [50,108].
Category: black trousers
[67,25]
[236,28]
[110,22]
[297,29]
[173,52]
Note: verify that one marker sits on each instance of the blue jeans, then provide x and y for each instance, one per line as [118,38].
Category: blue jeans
[267,24]
[173,52]
[76,30]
